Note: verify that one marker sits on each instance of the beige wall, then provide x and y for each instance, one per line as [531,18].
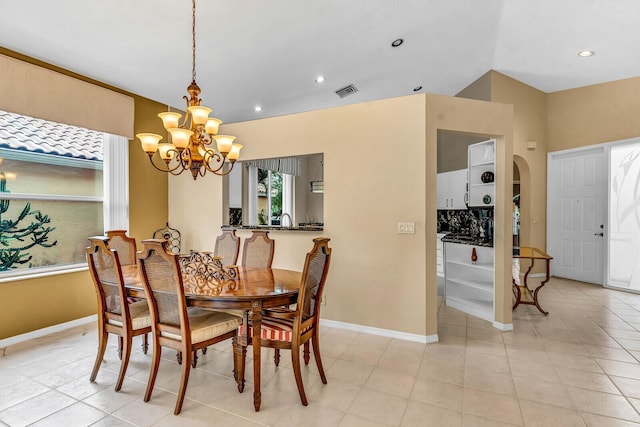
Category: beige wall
[480,89]
[529,124]
[594,114]
[378,278]
[64,297]
[452,150]
[368,189]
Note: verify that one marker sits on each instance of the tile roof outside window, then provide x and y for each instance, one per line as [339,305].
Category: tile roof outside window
[41,136]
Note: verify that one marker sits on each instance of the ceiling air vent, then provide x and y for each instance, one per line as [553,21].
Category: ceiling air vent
[346,91]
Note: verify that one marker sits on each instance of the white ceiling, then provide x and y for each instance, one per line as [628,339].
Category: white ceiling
[269,52]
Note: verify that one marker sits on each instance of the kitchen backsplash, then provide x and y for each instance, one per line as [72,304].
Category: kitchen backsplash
[235,216]
[474,222]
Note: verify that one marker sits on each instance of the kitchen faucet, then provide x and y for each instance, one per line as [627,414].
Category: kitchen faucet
[282,220]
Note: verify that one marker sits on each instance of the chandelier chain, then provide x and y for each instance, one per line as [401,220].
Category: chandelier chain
[193,34]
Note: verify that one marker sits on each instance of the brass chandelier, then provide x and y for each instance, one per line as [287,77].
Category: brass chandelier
[191,141]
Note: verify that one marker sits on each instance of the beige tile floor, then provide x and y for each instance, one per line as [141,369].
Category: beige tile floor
[577,367]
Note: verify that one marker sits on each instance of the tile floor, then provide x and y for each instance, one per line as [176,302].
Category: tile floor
[577,367]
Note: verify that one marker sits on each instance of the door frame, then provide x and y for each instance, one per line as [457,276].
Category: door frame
[553,242]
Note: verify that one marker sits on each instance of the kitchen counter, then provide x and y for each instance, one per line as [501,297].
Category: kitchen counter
[467,240]
[273,227]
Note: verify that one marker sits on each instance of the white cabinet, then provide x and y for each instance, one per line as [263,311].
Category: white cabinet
[469,284]
[452,188]
[482,162]
[440,255]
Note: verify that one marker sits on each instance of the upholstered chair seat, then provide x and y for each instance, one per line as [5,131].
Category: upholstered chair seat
[206,325]
[174,324]
[140,318]
[285,328]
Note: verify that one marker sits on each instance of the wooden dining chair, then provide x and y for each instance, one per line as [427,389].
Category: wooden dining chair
[173,325]
[228,247]
[285,328]
[258,250]
[124,245]
[115,314]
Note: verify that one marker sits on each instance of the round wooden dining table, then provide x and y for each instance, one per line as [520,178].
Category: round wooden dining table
[253,290]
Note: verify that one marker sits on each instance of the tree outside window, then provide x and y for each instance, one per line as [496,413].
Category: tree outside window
[269,197]
[51,193]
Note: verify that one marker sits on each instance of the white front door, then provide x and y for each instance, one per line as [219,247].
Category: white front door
[577,190]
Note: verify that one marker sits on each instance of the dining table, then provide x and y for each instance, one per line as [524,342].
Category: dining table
[250,289]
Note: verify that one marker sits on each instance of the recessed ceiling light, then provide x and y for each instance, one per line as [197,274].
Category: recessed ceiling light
[397,42]
[586,53]
[257,108]
[417,88]
[320,79]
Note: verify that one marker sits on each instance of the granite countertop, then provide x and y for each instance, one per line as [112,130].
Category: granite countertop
[467,240]
[274,227]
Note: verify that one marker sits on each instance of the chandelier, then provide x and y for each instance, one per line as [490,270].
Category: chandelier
[191,146]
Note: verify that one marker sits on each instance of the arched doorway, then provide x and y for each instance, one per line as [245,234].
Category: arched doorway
[522,189]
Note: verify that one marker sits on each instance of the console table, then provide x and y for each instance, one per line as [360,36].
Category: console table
[522,293]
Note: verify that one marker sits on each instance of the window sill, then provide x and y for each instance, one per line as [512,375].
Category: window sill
[67,269]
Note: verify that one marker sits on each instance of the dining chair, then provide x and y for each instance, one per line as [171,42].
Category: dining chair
[126,248]
[124,245]
[258,249]
[228,247]
[173,324]
[286,328]
[115,314]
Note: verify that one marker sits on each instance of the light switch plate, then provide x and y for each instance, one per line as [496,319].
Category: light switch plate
[406,227]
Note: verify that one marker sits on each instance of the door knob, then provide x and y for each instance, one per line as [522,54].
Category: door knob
[599,234]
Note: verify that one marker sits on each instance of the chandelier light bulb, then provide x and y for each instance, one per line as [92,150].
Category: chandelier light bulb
[166,150]
[211,127]
[170,119]
[224,143]
[199,114]
[235,152]
[180,137]
[149,142]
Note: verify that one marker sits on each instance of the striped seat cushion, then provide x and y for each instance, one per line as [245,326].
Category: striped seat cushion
[277,330]
[274,329]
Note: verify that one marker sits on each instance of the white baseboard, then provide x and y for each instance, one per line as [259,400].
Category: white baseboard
[46,331]
[503,326]
[424,339]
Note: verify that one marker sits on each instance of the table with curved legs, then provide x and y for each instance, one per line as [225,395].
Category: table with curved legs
[523,294]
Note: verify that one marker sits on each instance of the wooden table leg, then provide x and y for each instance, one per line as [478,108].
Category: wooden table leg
[240,352]
[535,293]
[256,324]
[518,295]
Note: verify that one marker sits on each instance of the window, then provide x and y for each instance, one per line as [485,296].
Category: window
[276,192]
[270,190]
[270,197]
[57,188]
